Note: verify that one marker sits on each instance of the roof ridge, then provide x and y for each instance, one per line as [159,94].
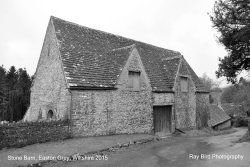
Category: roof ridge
[119,36]
[125,47]
[53,17]
[97,57]
[174,57]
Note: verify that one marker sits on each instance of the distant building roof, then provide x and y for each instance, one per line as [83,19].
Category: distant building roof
[93,58]
[216,90]
[217,115]
[234,109]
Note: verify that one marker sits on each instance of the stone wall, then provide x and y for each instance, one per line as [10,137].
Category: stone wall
[185,102]
[120,111]
[26,133]
[161,99]
[49,90]
[110,112]
[202,109]
[224,125]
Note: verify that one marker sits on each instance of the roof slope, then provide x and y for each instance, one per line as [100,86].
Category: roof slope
[217,115]
[234,110]
[92,58]
[170,67]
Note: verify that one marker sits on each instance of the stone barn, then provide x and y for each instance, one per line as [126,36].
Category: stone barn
[107,84]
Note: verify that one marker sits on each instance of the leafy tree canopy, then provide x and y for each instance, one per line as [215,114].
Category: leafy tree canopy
[208,82]
[231,18]
[239,94]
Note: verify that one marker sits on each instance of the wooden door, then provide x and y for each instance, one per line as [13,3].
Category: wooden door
[162,119]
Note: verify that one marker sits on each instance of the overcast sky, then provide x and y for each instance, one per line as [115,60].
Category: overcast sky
[182,25]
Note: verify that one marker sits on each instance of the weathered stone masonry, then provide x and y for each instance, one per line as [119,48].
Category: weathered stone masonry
[202,109]
[25,133]
[185,102]
[104,112]
[49,90]
[111,112]
[86,75]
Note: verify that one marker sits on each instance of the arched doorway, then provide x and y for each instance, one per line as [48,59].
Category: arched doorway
[50,114]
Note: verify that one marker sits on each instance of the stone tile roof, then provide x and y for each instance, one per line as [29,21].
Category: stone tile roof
[234,109]
[170,68]
[102,70]
[93,58]
[217,115]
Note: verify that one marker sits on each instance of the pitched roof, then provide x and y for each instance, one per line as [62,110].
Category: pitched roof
[93,58]
[101,71]
[170,67]
[234,109]
[217,115]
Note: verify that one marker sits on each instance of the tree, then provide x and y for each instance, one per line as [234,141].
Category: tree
[3,93]
[208,82]
[231,18]
[14,93]
[11,77]
[228,94]
[23,86]
[238,94]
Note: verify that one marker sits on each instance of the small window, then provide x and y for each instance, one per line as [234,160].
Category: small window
[50,114]
[184,84]
[134,80]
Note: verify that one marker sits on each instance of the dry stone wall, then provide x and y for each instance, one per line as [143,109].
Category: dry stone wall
[26,133]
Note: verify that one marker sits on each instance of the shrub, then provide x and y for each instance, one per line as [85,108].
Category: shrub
[240,121]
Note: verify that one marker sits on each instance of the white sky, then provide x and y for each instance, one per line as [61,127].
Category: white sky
[182,25]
